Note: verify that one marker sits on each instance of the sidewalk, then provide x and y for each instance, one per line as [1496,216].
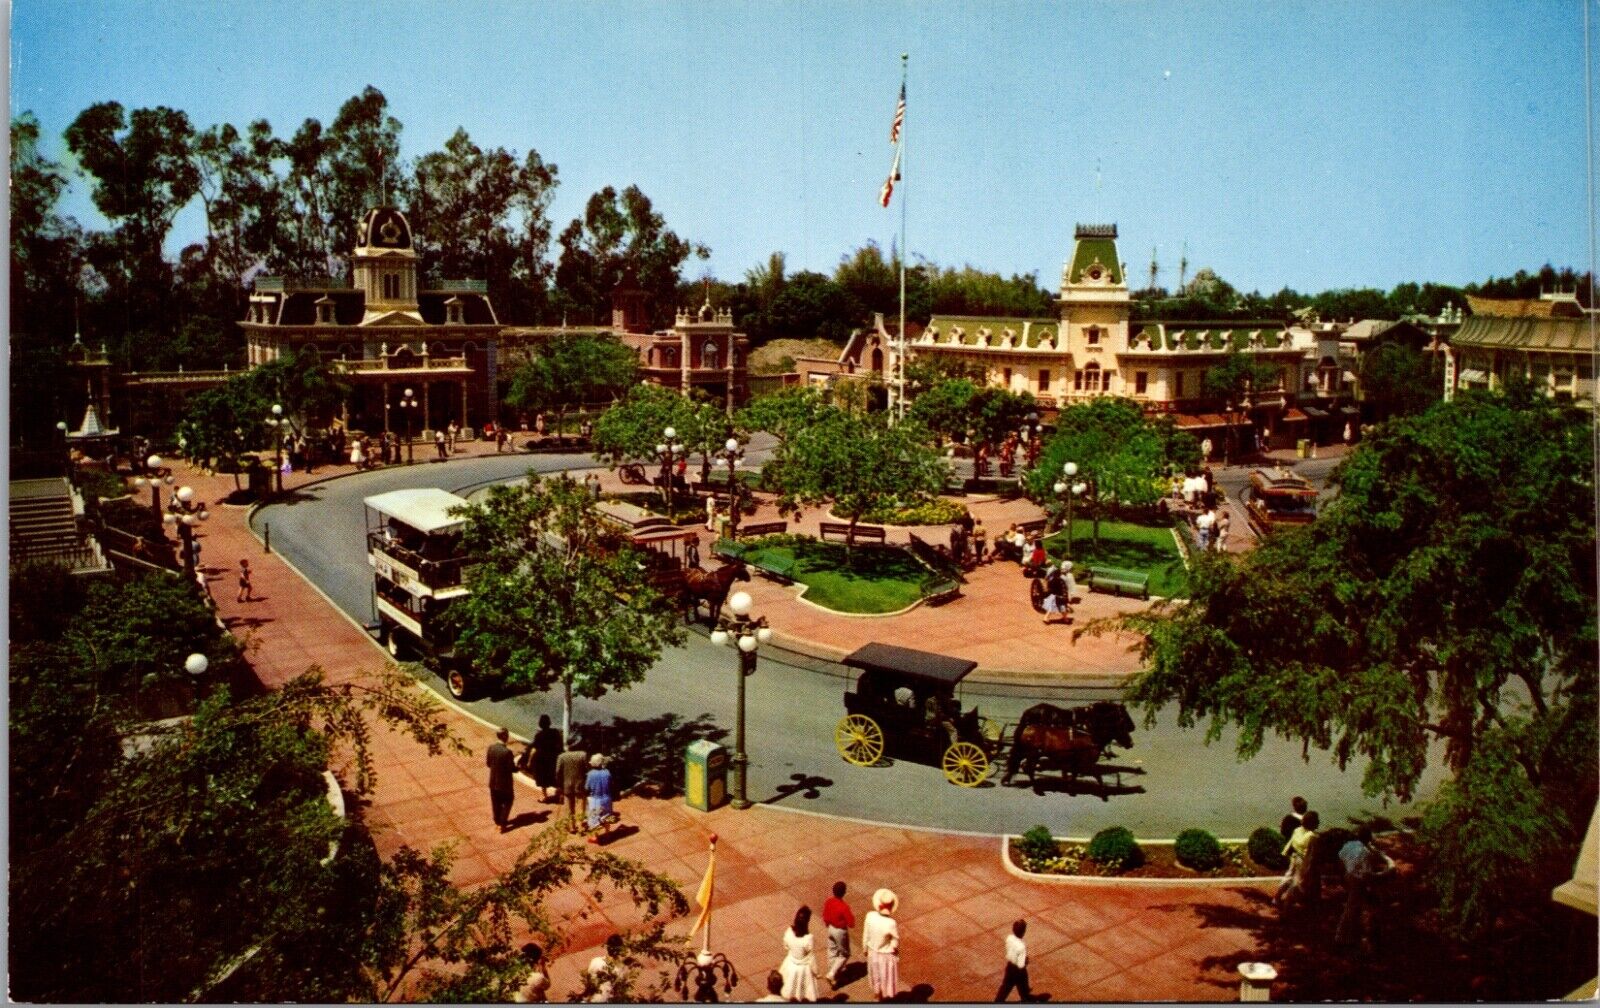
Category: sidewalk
[1097,943]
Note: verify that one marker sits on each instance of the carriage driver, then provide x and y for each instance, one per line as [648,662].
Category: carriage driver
[941,713]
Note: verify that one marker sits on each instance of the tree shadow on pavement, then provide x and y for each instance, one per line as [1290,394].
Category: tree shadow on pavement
[647,755]
[1409,959]
[804,785]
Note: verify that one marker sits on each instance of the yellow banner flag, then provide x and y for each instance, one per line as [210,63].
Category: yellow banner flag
[703,897]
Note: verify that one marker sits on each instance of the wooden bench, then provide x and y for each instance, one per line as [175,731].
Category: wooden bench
[842,531]
[779,569]
[938,589]
[1030,527]
[751,530]
[1116,581]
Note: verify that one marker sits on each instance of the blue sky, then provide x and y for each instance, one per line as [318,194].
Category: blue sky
[1304,145]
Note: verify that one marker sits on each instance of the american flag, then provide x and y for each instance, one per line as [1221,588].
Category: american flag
[899,116]
[888,183]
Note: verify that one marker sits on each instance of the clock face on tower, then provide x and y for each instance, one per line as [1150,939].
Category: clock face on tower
[1095,272]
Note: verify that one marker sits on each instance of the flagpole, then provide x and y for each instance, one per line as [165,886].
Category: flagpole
[900,339]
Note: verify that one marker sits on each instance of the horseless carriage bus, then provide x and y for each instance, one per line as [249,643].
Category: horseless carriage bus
[1279,499]
[414,550]
[907,703]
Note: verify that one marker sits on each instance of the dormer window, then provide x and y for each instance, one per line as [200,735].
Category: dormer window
[452,312]
[1092,334]
[325,311]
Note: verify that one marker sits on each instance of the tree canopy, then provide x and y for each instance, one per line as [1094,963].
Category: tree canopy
[573,369]
[1446,595]
[620,236]
[1398,380]
[554,597]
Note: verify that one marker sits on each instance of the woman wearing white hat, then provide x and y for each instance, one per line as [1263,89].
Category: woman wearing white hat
[881,936]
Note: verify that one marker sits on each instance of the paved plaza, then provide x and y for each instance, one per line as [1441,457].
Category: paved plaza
[1101,942]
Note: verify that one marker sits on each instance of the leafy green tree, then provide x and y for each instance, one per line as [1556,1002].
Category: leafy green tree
[1234,381]
[631,428]
[306,386]
[620,235]
[783,413]
[945,409]
[1454,588]
[1353,304]
[362,163]
[1123,458]
[856,462]
[555,598]
[1400,381]
[482,214]
[812,306]
[141,165]
[870,280]
[971,291]
[997,412]
[573,369]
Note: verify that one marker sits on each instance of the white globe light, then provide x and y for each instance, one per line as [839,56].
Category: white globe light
[186,494]
[670,433]
[196,664]
[204,515]
[740,603]
[661,449]
[1071,468]
[732,445]
[153,461]
[1061,488]
[719,637]
[61,425]
[1079,488]
[167,480]
[764,634]
[169,518]
[140,482]
[189,520]
[747,643]
[408,393]
[277,410]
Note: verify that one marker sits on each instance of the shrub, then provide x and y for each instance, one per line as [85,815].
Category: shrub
[1116,849]
[935,512]
[1266,848]
[99,483]
[1197,849]
[1037,844]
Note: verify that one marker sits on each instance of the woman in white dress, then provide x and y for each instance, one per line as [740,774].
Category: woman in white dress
[881,936]
[799,966]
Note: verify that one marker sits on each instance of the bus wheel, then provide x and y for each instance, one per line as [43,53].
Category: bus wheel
[459,685]
[395,646]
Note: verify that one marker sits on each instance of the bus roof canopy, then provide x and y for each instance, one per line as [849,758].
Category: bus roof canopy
[426,509]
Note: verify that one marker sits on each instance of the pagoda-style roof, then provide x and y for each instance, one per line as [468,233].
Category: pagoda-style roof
[1539,335]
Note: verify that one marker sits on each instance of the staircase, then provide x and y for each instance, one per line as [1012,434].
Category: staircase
[44,527]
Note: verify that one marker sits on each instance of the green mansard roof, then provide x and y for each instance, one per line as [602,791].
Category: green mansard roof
[1087,251]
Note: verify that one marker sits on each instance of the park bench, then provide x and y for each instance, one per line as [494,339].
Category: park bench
[937,589]
[775,568]
[1117,581]
[1030,527]
[842,530]
[750,530]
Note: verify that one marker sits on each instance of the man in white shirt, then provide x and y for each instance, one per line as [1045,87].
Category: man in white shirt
[1202,528]
[1016,977]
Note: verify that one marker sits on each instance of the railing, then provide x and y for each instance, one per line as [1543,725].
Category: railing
[387,364]
[278,284]
[436,574]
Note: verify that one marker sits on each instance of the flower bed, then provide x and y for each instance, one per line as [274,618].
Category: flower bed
[1160,862]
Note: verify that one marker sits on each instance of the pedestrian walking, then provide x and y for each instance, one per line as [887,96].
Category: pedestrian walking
[691,553]
[839,919]
[451,433]
[438,443]
[980,541]
[501,436]
[958,544]
[880,934]
[535,989]
[598,787]
[711,513]
[244,581]
[546,749]
[1364,866]
[1296,884]
[1016,976]
[1224,523]
[604,970]
[799,966]
[572,768]
[502,764]
[774,994]
[1202,528]
[1291,822]
[194,551]
[358,458]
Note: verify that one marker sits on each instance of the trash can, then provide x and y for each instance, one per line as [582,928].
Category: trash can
[259,476]
[705,775]
[1302,447]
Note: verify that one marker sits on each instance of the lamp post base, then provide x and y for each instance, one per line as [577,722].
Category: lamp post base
[740,762]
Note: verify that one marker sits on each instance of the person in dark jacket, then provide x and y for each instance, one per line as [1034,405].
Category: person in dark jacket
[502,764]
[546,747]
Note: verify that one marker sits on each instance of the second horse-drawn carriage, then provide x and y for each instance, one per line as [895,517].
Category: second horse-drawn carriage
[907,703]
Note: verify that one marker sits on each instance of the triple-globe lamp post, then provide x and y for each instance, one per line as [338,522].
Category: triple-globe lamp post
[670,450]
[277,423]
[408,407]
[1066,487]
[184,512]
[731,453]
[747,633]
[154,479]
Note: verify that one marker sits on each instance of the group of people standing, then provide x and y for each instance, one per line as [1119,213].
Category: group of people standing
[1364,867]
[562,772]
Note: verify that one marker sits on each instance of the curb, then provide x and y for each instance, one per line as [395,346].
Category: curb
[1121,882]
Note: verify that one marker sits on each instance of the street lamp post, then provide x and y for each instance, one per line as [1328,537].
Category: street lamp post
[731,453]
[185,513]
[408,405]
[277,421]
[1071,490]
[670,450]
[747,633]
[153,480]
[1030,441]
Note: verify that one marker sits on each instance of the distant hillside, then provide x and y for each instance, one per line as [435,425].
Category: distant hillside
[778,356]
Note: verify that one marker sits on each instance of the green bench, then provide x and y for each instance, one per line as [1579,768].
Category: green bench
[778,568]
[1118,581]
[937,589]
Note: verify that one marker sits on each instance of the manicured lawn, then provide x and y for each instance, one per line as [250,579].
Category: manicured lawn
[871,579]
[1148,548]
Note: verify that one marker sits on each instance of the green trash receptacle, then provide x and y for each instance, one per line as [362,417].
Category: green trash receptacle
[705,775]
[1302,447]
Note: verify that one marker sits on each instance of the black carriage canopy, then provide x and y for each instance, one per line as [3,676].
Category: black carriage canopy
[910,663]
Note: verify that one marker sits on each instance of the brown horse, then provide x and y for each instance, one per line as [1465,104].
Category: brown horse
[1071,740]
[711,587]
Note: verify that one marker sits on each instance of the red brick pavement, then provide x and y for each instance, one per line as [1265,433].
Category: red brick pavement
[1098,943]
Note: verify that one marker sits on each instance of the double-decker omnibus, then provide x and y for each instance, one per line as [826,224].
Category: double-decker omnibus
[414,549]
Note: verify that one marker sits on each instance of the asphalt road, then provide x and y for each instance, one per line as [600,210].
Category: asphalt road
[794,703]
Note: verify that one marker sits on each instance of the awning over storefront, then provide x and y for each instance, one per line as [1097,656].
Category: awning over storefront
[1349,411]
[1316,414]
[1293,415]
[1473,376]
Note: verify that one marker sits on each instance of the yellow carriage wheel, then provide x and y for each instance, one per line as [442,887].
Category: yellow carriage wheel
[965,764]
[859,740]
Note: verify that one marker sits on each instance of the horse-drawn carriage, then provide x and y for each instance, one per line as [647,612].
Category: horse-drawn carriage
[907,703]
